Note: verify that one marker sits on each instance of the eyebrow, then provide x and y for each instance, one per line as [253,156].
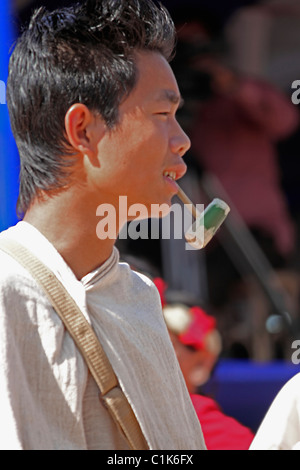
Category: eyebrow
[171,96]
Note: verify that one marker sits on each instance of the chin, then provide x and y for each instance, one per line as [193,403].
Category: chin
[160,209]
[153,206]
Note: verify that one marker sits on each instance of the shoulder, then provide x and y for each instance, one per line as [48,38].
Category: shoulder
[139,294]
[12,274]
[18,289]
[293,384]
[289,395]
[15,278]
[139,283]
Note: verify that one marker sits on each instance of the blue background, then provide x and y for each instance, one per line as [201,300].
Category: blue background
[9,160]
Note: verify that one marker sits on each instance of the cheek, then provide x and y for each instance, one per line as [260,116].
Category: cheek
[145,155]
[133,157]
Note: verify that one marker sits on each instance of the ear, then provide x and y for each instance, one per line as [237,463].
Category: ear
[83,129]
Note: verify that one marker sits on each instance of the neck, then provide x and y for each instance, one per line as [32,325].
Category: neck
[69,222]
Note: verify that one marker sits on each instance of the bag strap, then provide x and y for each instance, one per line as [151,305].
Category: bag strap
[86,340]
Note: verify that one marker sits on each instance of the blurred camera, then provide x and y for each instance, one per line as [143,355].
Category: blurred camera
[194,84]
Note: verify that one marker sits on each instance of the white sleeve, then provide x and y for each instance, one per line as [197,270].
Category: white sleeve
[18,348]
[40,397]
[280,429]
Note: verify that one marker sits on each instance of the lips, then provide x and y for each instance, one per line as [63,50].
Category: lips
[170,178]
[176,172]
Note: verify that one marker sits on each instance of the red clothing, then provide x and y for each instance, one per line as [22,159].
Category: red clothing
[220,432]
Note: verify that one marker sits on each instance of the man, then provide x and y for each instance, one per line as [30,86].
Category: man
[92,102]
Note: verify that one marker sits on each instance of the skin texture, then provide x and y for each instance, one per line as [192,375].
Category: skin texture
[129,160]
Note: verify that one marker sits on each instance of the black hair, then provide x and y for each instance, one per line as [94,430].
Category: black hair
[84,53]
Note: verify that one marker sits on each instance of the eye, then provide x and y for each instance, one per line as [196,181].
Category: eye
[163,114]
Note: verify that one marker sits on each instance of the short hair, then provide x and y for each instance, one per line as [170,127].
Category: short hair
[86,54]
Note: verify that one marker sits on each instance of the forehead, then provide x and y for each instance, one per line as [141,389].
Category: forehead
[156,81]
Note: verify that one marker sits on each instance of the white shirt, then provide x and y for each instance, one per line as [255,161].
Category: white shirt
[280,429]
[48,398]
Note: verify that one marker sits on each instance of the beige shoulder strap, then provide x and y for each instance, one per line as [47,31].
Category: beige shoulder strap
[85,339]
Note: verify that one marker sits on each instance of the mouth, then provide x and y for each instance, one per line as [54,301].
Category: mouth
[172,175]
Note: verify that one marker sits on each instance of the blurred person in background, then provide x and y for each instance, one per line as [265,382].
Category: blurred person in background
[197,343]
[235,123]
[234,136]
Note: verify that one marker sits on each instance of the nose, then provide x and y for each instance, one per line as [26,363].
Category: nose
[180,142]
